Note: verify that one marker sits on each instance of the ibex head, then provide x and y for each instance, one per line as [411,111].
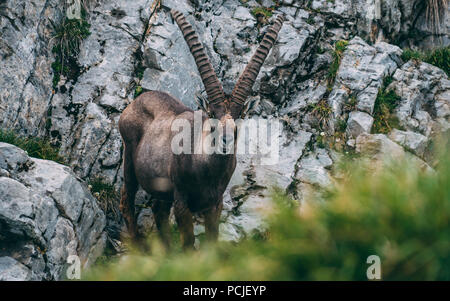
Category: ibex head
[226,108]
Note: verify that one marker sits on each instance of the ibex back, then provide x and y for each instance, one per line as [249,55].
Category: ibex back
[191,182]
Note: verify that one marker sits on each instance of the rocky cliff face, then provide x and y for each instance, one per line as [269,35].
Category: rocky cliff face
[46,215]
[131,47]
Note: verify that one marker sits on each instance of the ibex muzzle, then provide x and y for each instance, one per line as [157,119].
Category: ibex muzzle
[191,182]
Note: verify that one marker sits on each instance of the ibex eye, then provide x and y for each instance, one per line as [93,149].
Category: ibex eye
[213,129]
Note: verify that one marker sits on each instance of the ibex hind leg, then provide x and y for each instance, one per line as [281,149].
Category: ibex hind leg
[212,219]
[185,224]
[128,194]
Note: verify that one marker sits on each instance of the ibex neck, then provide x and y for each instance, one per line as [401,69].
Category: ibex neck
[219,159]
[214,165]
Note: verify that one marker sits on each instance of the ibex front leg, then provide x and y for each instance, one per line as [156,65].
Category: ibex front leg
[128,193]
[212,219]
[161,211]
[185,224]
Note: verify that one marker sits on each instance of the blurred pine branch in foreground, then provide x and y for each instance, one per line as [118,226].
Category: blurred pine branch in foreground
[400,213]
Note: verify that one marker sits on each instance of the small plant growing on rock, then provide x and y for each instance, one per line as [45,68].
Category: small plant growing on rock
[341,125]
[438,57]
[350,105]
[410,54]
[138,91]
[321,140]
[310,20]
[68,36]
[383,113]
[322,112]
[36,147]
[262,14]
[107,196]
[339,49]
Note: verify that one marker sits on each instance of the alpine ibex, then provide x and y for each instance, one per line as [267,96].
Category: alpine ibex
[193,183]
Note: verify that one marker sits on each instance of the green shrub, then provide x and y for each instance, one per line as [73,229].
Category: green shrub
[439,57]
[35,147]
[399,213]
[383,113]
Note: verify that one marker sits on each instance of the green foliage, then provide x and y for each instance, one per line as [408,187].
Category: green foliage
[399,213]
[35,147]
[107,196]
[139,68]
[138,91]
[320,50]
[339,49]
[321,141]
[341,46]
[140,72]
[383,113]
[262,14]
[310,20]
[322,112]
[68,36]
[410,54]
[350,105]
[438,57]
[341,125]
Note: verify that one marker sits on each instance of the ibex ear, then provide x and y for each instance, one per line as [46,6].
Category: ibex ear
[202,103]
[249,106]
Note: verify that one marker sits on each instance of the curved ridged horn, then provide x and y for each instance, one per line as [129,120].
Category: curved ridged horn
[212,84]
[245,83]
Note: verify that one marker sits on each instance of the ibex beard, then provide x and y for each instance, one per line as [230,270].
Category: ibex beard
[194,179]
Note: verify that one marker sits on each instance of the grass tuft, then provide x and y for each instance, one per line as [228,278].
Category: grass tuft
[438,57]
[383,114]
[262,14]
[107,196]
[322,111]
[339,49]
[68,36]
[35,147]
